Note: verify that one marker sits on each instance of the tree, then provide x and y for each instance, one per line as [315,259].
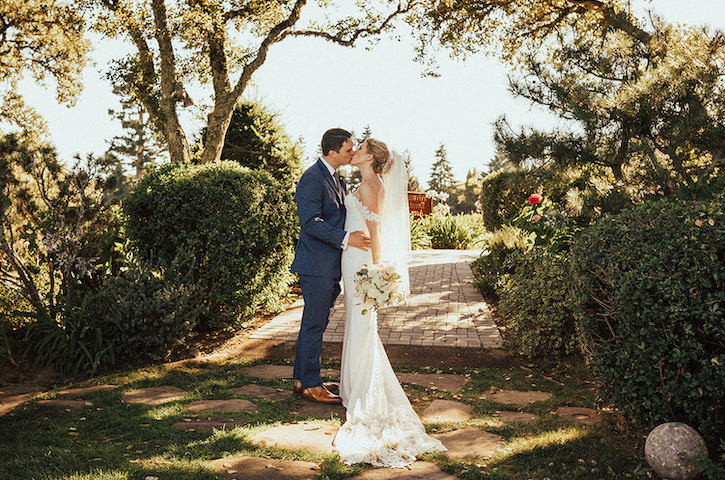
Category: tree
[43,38]
[645,107]
[413,182]
[441,175]
[256,139]
[212,41]
[141,144]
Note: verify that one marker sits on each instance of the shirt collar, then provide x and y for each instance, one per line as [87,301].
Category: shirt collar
[329,168]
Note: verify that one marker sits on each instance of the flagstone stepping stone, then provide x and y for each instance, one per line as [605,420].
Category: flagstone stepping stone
[260,391]
[64,405]
[321,410]
[210,423]
[154,395]
[415,471]
[281,371]
[234,405]
[520,417]
[444,381]
[515,396]
[447,411]
[79,392]
[587,416]
[13,395]
[255,468]
[470,443]
[303,435]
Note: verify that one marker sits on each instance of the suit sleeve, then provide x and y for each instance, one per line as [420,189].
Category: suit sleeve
[309,197]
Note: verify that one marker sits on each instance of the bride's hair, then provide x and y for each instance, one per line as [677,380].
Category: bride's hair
[380,153]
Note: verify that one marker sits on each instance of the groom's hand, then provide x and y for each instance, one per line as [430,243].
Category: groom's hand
[359,239]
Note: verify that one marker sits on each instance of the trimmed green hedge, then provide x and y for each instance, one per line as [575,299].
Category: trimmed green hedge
[652,301]
[238,224]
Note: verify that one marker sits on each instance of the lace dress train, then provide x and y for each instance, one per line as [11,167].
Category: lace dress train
[381,428]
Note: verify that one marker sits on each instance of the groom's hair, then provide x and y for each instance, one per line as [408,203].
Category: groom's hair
[333,139]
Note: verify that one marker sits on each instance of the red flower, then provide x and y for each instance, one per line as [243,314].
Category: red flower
[535,198]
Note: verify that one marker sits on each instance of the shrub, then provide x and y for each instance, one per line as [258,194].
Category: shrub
[146,313]
[71,339]
[537,305]
[491,269]
[239,225]
[419,238]
[652,304]
[457,232]
[503,194]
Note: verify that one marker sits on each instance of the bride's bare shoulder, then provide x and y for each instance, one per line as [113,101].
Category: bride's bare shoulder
[369,194]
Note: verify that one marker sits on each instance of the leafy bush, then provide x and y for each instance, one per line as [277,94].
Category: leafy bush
[492,268]
[256,139]
[145,313]
[537,304]
[458,232]
[239,225]
[71,341]
[503,194]
[652,306]
[419,238]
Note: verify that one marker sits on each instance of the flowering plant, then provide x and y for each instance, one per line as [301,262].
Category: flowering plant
[379,286]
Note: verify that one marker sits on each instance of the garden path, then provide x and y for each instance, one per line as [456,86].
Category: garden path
[444,309]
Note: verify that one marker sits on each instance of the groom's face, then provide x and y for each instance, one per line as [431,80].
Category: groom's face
[344,156]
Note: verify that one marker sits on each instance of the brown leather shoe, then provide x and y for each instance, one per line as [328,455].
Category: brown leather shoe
[320,394]
[333,387]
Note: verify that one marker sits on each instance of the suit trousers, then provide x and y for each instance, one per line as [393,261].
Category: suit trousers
[319,294]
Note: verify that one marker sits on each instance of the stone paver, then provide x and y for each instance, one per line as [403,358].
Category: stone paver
[444,381]
[281,371]
[520,417]
[13,395]
[234,405]
[255,468]
[580,415]
[415,471]
[303,435]
[154,395]
[517,397]
[79,392]
[63,405]
[209,423]
[469,443]
[447,411]
[444,308]
[320,410]
[260,391]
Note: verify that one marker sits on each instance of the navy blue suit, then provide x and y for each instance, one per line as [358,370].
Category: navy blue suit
[317,262]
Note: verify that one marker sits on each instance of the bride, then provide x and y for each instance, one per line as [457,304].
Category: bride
[381,428]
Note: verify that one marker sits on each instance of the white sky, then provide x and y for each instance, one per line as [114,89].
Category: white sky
[316,85]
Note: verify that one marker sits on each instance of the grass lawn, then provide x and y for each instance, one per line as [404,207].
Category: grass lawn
[114,440]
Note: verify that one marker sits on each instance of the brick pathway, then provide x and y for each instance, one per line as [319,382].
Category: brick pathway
[444,309]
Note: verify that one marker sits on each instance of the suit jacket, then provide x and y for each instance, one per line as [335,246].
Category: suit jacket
[322,223]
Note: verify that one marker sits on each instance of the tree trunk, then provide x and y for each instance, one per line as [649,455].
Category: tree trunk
[216,129]
[172,91]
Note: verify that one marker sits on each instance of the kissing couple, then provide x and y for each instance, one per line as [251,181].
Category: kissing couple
[339,233]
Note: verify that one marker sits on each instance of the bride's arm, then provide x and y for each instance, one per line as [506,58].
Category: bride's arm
[371,198]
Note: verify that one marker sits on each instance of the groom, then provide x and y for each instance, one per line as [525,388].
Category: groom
[320,206]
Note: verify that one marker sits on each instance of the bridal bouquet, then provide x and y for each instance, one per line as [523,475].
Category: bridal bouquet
[379,286]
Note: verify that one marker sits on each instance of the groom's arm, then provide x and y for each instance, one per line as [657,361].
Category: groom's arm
[309,197]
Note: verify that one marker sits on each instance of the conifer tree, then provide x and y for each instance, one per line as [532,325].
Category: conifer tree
[441,175]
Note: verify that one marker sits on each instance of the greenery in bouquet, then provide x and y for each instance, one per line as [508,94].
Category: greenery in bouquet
[378,285]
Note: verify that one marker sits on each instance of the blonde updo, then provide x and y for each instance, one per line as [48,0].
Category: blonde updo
[380,153]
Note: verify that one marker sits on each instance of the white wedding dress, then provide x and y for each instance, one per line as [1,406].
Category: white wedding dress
[381,428]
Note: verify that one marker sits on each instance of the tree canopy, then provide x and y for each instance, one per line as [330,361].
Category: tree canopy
[221,43]
[44,39]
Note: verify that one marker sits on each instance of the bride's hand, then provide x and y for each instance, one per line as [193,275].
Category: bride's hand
[359,239]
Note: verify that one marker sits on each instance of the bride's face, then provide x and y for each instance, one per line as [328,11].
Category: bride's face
[361,156]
